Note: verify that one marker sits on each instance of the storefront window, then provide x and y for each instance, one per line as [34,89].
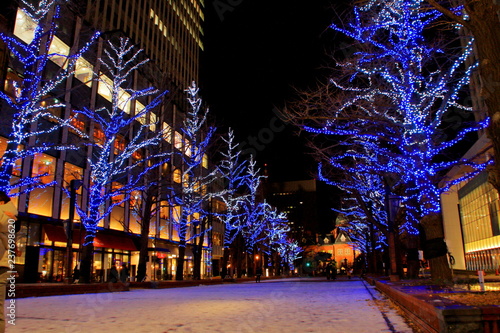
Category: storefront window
[34,235]
[21,242]
[99,271]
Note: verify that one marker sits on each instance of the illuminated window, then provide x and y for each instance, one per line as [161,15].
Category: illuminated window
[167,132]
[187,148]
[153,119]
[164,210]
[119,144]
[204,163]
[46,104]
[84,71]
[178,140]
[165,170]
[118,198]
[12,82]
[44,166]
[99,137]
[479,211]
[176,216]
[135,199]
[78,122]
[124,101]
[176,176]
[41,199]
[25,27]
[17,167]
[138,155]
[59,52]
[71,172]
[104,87]
[117,218]
[340,252]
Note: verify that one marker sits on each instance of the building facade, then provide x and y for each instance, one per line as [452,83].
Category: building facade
[170,33]
[471,217]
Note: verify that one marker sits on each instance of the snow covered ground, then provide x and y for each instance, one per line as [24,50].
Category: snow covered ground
[291,305]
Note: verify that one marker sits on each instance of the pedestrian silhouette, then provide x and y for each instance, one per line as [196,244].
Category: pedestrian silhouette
[113,274]
[258,273]
[124,273]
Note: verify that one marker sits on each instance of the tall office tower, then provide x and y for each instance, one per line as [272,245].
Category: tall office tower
[169,31]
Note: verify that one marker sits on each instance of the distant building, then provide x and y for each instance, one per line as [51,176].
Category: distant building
[307,204]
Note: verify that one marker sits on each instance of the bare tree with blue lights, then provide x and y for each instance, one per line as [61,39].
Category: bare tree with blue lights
[197,184]
[115,171]
[386,106]
[253,208]
[33,98]
[233,169]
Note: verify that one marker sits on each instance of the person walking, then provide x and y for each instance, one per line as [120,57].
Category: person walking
[8,213]
[76,274]
[258,274]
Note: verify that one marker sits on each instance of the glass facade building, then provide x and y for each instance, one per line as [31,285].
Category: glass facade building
[170,33]
[479,207]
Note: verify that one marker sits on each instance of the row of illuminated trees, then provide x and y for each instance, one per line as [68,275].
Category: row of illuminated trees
[380,124]
[129,150]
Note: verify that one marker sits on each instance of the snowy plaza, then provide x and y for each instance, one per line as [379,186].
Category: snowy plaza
[292,305]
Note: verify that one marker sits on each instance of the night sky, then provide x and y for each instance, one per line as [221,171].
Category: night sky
[256,52]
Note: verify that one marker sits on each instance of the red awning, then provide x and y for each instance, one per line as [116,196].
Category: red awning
[114,242]
[57,234]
